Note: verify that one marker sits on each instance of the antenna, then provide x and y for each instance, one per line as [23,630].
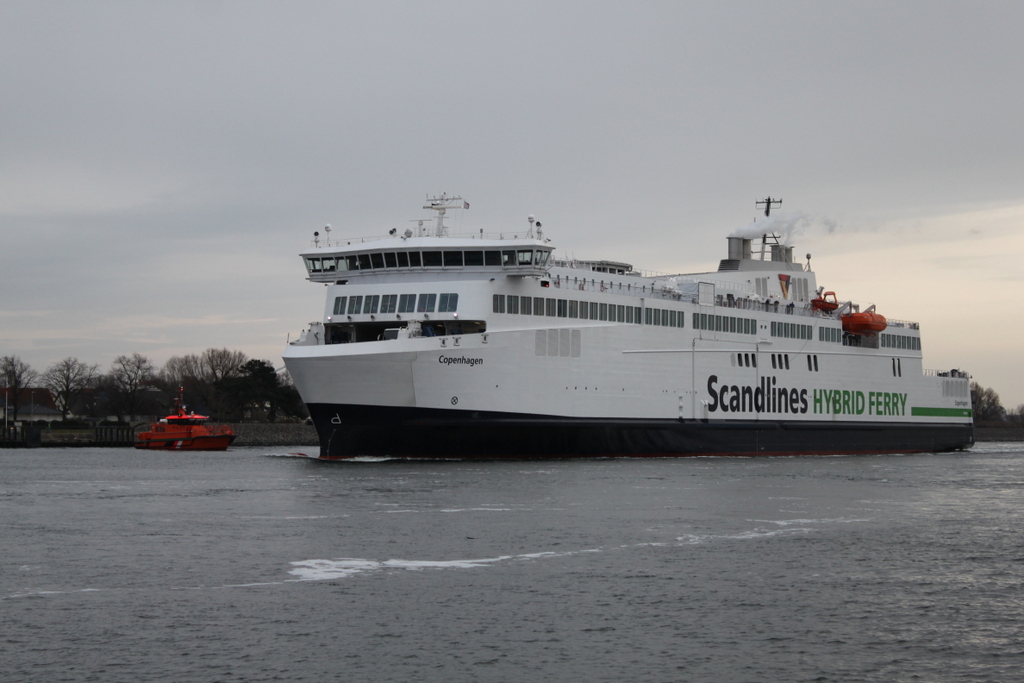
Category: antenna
[441,205]
[768,202]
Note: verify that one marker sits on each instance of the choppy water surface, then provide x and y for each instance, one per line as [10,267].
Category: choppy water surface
[119,565]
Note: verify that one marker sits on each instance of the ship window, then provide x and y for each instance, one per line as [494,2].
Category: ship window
[703,321]
[329,265]
[549,307]
[525,257]
[352,262]
[498,303]
[584,310]
[746,359]
[388,303]
[390,259]
[403,259]
[426,303]
[508,259]
[339,305]
[636,315]
[773,362]
[526,304]
[753,360]
[603,311]
[513,303]
[474,258]
[355,305]
[432,259]
[815,363]
[574,309]
[492,258]
[563,308]
[620,313]
[628,313]
[414,259]
[647,316]
[371,304]
[449,303]
[538,305]
[593,310]
[364,261]
[732,324]
[786,358]
[453,258]
[809,364]
[314,265]
[407,303]
[542,258]
[377,260]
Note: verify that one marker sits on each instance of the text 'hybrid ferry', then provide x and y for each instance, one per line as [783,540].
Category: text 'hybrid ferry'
[489,346]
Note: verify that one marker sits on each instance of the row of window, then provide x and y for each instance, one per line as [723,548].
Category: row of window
[724,323]
[385,260]
[830,334]
[564,308]
[792,330]
[396,303]
[899,341]
[779,358]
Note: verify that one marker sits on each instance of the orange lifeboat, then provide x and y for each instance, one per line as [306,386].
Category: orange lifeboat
[863,323]
[184,432]
[826,303]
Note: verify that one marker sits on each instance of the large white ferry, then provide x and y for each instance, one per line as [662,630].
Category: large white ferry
[489,346]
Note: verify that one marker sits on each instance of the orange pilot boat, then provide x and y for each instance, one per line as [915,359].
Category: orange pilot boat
[184,432]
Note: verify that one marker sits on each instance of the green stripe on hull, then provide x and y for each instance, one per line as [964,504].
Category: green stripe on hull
[940,412]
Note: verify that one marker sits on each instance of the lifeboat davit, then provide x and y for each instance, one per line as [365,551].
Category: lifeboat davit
[184,432]
[863,323]
[827,302]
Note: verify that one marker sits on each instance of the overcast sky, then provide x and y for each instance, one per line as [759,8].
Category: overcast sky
[163,163]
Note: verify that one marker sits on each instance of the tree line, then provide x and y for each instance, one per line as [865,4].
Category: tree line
[224,384]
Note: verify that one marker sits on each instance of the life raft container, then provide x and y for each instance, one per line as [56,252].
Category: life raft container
[863,323]
[826,302]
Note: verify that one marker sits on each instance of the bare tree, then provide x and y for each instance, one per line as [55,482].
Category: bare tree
[130,375]
[222,363]
[67,379]
[17,375]
[987,407]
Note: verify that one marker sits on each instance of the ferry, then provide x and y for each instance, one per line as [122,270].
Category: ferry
[437,345]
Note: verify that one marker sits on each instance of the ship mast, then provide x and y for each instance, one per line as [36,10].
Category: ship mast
[441,205]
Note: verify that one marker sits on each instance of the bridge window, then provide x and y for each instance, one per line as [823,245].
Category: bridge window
[377,260]
[432,259]
[390,259]
[453,258]
[491,258]
[525,257]
[414,259]
[403,259]
[508,259]
[474,258]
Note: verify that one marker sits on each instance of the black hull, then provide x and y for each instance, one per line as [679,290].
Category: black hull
[348,431]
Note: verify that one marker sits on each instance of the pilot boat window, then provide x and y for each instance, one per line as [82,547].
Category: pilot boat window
[474,258]
[492,258]
[355,305]
[370,306]
[452,258]
[414,259]
[388,303]
[426,303]
[407,303]
[390,259]
[449,303]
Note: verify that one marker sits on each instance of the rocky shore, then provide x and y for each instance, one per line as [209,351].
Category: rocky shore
[274,434]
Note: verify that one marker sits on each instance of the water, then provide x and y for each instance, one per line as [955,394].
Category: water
[119,565]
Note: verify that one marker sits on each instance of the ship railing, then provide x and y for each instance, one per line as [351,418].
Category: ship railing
[333,243]
[892,322]
[957,374]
